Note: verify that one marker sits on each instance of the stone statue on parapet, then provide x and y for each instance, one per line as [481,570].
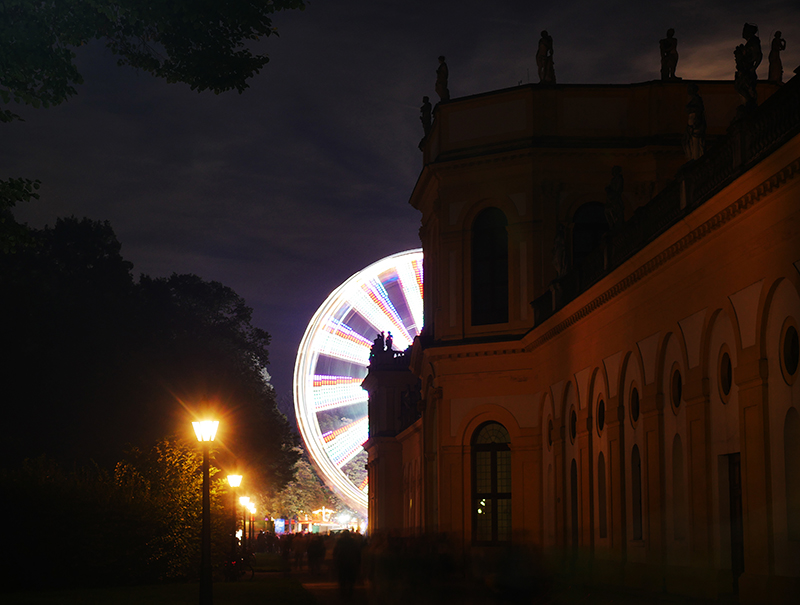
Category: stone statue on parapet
[614,206]
[389,341]
[544,59]
[775,64]
[694,141]
[669,56]
[425,115]
[442,76]
[560,250]
[748,57]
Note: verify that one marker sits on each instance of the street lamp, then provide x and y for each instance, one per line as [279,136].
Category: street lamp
[252,508]
[206,430]
[234,481]
[245,502]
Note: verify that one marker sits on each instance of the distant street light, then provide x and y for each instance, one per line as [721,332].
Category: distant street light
[234,481]
[245,502]
[206,430]
[252,508]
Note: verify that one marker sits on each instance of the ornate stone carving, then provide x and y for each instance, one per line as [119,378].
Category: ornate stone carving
[544,59]
[669,56]
[694,141]
[775,64]
[442,77]
[748,57]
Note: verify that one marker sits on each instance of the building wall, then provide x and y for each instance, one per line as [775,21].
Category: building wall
[723,282]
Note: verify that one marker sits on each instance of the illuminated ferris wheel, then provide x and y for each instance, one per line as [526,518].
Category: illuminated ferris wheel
[330,405]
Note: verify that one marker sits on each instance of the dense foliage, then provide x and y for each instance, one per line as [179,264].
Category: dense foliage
[97,362]
[304,494]
[87,526]
[207,44]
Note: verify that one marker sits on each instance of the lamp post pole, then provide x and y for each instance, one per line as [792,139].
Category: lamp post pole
[206,594]
[206,431]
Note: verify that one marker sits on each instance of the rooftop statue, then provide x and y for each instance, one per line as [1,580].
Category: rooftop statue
[425,113]
[748,57]
[775,64]
[615,207]
[694,141]
[544,59]
[442,75]
[669,56]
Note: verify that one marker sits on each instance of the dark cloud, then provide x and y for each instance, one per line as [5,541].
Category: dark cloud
[284,192]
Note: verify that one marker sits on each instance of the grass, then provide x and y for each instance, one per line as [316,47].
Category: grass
[275,590]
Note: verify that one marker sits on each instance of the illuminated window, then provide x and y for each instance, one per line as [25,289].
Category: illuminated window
[490,268]
[491,485]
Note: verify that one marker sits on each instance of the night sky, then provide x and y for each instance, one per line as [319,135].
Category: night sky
[285,191]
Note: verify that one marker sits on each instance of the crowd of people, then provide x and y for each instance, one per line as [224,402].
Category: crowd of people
[397,569]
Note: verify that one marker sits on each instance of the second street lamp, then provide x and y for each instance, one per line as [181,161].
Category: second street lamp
[206,430]
[234,481]
[244,501]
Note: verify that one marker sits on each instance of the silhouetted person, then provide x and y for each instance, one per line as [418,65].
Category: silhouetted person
[347,558]
[544,59]
[775,63]
[442,77]
[669,55]
[389,341]
[316,554]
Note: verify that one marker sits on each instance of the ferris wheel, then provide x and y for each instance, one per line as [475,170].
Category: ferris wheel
[332,360]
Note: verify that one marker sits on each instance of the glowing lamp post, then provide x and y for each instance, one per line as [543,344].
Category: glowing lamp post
[245,502]
[234,481]
[206,431]
[252,508]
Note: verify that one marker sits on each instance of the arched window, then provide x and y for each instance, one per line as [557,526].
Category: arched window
[601,495]
[636,493]
[589,225]
[678,491]
[491,484]
[489,268]
[791,454]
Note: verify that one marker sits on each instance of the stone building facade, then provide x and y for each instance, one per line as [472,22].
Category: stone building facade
[624,397]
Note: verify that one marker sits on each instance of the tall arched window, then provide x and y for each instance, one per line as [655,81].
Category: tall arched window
[489,268]
[601,495]
[589,225]
[678,491]
[491,484]
[636,493]
[573,488]
[791,457]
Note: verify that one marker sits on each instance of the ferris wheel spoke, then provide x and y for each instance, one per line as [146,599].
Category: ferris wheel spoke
[340,341]
[364,485]
[410,276]
[372,302]
[344,443]
[331,392]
